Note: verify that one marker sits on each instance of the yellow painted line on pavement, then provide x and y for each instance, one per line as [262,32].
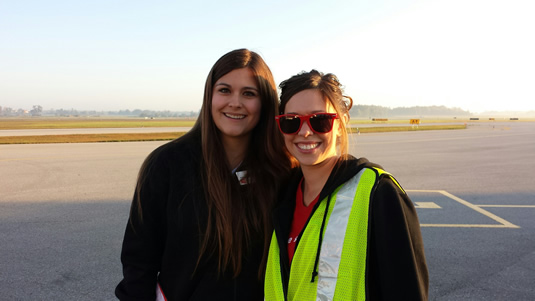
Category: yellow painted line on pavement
[427,205]
[503,223]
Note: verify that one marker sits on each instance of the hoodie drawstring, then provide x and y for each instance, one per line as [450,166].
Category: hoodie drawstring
[314,271]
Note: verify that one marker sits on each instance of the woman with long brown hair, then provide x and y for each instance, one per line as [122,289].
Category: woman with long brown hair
[199,223]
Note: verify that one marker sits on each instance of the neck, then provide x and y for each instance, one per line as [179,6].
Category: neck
[235,150]
[315,177]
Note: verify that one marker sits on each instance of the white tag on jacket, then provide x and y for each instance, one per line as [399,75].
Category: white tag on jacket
[242,177]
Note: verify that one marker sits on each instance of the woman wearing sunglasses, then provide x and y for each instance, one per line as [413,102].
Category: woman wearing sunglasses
[344,229]
[200,226]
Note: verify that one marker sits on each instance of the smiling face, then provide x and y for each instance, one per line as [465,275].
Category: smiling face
[236,105]
[308,147]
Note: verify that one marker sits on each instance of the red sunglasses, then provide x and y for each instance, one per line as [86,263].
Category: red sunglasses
[319,123]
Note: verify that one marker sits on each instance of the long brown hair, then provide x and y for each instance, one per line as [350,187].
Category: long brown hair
[237,214]
[331,90]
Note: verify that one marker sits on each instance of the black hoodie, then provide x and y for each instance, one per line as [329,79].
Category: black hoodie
[395,265]
[164,246]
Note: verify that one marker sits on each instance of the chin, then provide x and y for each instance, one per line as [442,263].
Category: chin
[306,162]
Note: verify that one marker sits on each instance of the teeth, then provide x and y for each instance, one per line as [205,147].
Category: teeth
[307,146]
[234,116]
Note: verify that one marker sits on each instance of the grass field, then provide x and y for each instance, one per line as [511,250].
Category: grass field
[73,123]
[79,123]
[88,138]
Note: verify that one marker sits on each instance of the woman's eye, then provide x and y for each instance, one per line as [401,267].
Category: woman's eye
[249,93]
[224,90]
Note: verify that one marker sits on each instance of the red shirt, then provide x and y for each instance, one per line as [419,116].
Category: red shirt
[301,215]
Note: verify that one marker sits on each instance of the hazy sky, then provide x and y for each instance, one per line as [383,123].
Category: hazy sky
[477,55]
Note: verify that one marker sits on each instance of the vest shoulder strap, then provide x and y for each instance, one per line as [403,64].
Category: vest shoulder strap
[383,173]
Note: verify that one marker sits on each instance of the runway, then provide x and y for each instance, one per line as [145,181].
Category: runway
[64,207]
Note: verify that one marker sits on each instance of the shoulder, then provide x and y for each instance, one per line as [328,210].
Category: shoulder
[386,182]
[186,148]
[384,188]
[382,178]
[388,196]
[184,152]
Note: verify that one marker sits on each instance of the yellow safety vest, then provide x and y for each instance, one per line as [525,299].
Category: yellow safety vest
[341,271]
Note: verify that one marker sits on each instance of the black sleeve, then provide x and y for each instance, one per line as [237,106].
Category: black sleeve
[144,237]
[396,268]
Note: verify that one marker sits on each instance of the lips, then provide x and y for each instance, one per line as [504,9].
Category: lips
[307,146]
[234,116]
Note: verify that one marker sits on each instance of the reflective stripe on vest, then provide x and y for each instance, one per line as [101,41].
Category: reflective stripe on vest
[342,263]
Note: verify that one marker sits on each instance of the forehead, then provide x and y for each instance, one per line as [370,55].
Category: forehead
[307,102]
[242,77]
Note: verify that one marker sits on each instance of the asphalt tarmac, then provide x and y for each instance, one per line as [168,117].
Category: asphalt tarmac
[64,207]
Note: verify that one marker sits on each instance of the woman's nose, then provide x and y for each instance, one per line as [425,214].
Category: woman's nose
[235,101]
[305,130]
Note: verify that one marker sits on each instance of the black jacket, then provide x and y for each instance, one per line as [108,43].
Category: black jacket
[164,246]
[396,268]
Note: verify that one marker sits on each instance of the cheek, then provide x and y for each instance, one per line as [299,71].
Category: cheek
[288,141]
[216,103]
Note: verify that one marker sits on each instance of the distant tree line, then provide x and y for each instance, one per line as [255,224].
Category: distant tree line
[7,111]
[370,111]
[37,110]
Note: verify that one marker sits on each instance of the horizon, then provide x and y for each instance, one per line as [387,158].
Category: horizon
[119,112]
[470,54]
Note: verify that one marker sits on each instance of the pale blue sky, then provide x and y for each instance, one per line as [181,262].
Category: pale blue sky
[112,55]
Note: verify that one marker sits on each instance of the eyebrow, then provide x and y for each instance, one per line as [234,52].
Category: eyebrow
[313,112]
[244,88]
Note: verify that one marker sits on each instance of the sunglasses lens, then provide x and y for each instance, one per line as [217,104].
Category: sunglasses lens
[321,123]
[289,125]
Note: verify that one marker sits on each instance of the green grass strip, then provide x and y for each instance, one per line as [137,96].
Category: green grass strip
[65,123]
[88,138]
